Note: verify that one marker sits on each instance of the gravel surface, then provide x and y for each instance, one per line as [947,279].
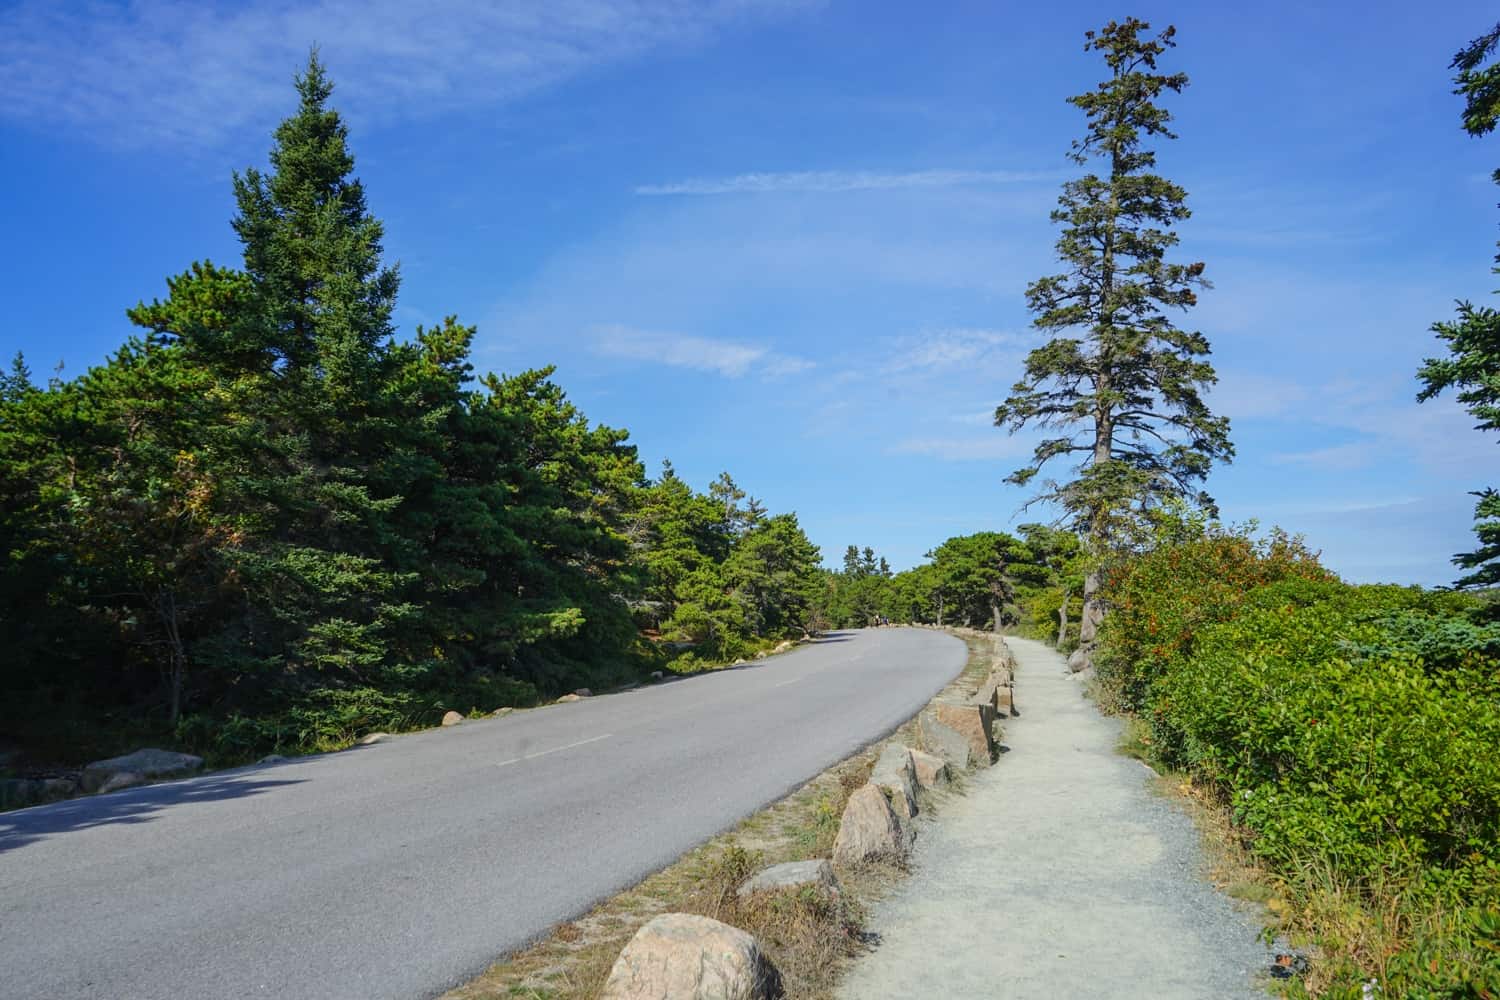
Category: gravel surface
[402,869]
[1059,874]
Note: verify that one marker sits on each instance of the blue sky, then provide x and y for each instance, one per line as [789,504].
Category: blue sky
[790,239]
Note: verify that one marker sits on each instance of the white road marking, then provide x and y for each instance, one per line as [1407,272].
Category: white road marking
[782,684]
[543,753]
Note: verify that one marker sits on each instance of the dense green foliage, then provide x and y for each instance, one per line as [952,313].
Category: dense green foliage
[1350,729]
[270,523]
[1472,340]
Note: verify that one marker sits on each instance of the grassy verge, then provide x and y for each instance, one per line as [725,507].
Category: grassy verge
[810,936]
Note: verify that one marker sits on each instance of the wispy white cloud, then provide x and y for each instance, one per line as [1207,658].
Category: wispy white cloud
[831,181]
[966,448]
[1242,395]
[192,73]
[727,358]
[933,350]
[1339,457]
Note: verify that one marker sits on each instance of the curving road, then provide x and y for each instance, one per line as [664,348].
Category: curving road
[402,869]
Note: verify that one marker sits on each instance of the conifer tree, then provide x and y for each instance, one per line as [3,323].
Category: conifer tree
[1472,366]
[1121,384]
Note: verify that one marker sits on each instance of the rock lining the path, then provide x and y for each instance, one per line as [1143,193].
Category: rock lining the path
[791,875]
[681,956]
[870,830]
[895,773]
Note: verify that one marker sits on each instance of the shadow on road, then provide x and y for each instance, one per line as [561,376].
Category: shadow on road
[22,827]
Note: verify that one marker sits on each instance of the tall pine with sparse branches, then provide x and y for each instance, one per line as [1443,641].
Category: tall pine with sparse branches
[1120,387]
[1472,366]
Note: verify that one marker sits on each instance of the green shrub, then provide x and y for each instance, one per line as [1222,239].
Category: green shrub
[1158,601]
[1353,732]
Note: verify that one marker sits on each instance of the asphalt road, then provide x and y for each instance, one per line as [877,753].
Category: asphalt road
[402,869]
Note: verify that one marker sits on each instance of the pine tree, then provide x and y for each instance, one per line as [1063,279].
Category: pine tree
[314,443]
[1125,388]
[1472,366]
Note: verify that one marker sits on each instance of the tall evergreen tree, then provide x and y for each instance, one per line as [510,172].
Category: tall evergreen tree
[300,343]
[1472,365]
[1124,387]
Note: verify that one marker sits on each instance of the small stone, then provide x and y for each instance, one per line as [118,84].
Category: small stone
[567,698]
[501,713]
[792,875]
[657,675]
[452,718]
[584,693]
[869,829]
[273,758]
[931,769]
[374,738]
[121,780]
[681,956]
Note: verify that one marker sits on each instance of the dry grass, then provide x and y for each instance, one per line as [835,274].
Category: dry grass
[810,935]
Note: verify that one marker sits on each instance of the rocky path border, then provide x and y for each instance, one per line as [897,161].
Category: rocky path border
[1060,874]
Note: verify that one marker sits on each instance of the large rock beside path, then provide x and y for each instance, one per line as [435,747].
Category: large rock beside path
[452,718]
[931,770]
[972,722]
[895,773]
[944,741]
[680,956]
[150,764]
[869,830]
[792,875]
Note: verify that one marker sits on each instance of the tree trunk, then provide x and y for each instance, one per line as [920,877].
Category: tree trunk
[995,611]
[1093,610]
[166,609]
[1062,619]
[940,612]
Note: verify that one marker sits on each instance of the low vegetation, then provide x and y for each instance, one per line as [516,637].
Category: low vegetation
[1348,733]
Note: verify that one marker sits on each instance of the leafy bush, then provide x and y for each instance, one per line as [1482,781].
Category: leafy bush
[1352,731]
[1159,600]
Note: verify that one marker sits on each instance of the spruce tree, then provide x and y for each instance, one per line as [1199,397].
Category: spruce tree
[313,442]
[1472,366]
[1121,384]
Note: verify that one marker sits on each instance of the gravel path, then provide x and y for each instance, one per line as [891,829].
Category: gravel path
[1059,874]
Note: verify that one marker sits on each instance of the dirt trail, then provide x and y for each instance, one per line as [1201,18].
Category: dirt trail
[1059,874]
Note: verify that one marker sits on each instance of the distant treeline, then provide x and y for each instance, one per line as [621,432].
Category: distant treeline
[1032,584]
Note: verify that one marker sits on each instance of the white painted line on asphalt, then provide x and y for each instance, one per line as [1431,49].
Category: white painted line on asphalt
[782,684]
[543,753]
